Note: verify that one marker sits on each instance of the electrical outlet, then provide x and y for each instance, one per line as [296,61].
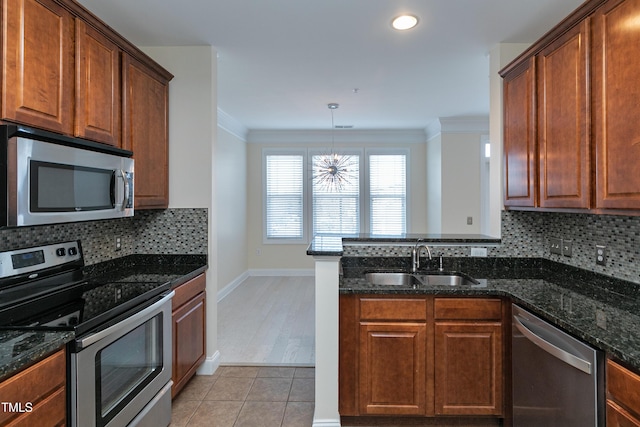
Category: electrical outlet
[258,252]
[469,220]
[601,255]
[118,243]
[555,246]
[567,247]
[481,252]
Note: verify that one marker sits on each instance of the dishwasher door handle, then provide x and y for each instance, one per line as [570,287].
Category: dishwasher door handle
[564,355]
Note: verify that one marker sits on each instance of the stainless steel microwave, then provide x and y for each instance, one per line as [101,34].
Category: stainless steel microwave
[49,179]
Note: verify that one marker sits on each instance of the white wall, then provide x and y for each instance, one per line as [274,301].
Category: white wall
[461,182]
[454,175]
[293,256]
[434,184]
[192,148]
[231,205]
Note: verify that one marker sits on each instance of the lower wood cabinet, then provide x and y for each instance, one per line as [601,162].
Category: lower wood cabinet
[623,396]
[421,356]
[189,331]
[392,376]
[468,356]
[37,395]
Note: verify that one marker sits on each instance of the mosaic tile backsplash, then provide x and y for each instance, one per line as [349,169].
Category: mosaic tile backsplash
[171,231]
[527,234]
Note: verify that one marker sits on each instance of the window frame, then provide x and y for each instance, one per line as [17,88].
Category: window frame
[345,151]
[366,197]
[304,238]
[307,188]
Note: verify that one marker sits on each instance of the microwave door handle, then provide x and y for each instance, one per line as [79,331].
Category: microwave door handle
[127,189]
[121,196]
[114,179]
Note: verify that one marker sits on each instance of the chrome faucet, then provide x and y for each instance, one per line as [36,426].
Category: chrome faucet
[415,255]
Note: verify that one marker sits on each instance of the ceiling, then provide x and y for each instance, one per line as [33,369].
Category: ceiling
[280,62]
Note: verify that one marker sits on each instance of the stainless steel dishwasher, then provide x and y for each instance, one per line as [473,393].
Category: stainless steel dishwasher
[558,381]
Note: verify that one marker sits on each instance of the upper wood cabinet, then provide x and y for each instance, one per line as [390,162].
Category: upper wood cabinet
[520,136]
[616,73]
[563,121]
[106,90]
[38,64]
[588,140]
[97,86]
[145,132]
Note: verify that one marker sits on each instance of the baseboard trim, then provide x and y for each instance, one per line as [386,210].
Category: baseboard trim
[222,293]
[326,423]
[282,272]
[210,365]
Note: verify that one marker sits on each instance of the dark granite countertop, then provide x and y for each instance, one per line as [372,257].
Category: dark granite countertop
[602,311]
[21,348]
[331,245]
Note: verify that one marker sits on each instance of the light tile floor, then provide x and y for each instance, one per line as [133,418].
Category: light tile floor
[241,396]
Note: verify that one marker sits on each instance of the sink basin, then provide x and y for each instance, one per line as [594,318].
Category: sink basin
[392,279]
[409,279]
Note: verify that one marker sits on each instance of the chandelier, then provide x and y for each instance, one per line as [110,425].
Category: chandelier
[332,172]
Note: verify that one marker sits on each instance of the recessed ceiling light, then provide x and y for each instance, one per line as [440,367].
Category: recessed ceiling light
[404,22]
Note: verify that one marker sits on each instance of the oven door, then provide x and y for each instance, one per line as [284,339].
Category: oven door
[123,373]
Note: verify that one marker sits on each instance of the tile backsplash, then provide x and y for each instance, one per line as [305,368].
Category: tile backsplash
[170,231]
[527,234]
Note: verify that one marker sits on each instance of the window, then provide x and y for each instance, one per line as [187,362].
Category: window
[284,196]
[388,194]
[337,212]
[372,200]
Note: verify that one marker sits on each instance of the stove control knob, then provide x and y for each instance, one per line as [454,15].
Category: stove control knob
[61,252]
[73,251]
[73,320]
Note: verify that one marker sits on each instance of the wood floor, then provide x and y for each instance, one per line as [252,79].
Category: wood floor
[268,321]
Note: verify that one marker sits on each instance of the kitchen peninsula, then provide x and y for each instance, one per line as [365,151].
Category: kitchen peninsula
[595,308]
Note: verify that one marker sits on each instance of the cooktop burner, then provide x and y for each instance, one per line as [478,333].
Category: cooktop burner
[44,288]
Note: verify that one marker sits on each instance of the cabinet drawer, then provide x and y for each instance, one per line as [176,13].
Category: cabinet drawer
[623,386]
[34,383]
[467,309]
[49,412]
[403,309]
[188,290]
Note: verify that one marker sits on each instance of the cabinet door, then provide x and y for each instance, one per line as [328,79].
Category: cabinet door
[468,368]
[97,86]
[392,377]
[38,64]
[188,341]
[616,73]
[520,136]
[563,121]
[145,132]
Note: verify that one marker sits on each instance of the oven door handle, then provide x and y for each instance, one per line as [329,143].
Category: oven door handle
[136,318]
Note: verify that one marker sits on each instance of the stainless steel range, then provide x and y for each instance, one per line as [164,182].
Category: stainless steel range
[120,360]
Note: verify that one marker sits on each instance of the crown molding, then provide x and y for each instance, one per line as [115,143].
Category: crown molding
[341,136]
[231,125]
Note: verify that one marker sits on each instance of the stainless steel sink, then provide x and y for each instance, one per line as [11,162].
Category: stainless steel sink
[418,279]
[392,279]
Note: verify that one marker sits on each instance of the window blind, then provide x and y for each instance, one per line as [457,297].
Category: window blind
[284,196]
[388,194]
[338,212]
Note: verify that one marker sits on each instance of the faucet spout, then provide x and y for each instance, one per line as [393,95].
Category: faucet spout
[415,254]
